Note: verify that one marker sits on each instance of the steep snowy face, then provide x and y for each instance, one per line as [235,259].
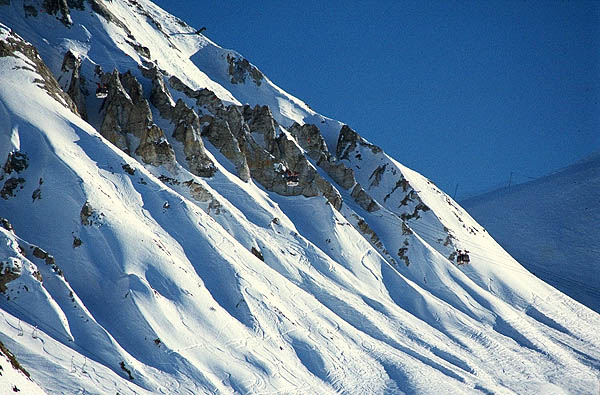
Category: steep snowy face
[14,377]
[161,236]
[555,237]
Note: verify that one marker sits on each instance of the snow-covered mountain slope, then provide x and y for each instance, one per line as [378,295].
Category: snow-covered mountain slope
[551,226]
[155,235]
[13,377]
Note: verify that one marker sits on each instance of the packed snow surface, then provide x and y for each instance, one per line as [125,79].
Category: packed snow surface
[160,293]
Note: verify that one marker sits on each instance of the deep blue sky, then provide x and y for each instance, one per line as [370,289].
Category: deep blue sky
[463,92]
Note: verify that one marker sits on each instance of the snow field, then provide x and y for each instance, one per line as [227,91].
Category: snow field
[177,296]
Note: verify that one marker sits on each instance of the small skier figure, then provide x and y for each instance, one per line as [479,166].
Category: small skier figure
[199,31]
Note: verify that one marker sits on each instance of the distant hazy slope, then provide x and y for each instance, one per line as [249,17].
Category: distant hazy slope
[551,226]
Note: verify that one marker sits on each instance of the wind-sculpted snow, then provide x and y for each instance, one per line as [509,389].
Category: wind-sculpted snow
[130,276]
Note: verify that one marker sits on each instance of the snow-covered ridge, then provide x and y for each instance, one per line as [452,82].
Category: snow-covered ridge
[160,276]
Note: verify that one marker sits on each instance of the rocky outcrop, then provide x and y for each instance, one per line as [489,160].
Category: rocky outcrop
[4,223]
[77,4]
[10,185]
[118,108]
[99,8]
[363,227]
[60,9]
[150,18]
[42,254]
[46,257]
[86,213]
[248,137]
[201,194]
[411,203]
[257,253]
[154,148]
[187,124]
[310,139]
[188,131]
[204,97]
[75,83]
[377,174]
[160,96]
[235,119]
[240,69]
[8,272]
[402,255]
[128,121]
[16,161]
[11,268]
[252,140]
[415,213]
[310,182]
[218,132]
[262,125]
[90,217]
[363,199]
[198,192]
[348,139]
[140,49]
[339,172]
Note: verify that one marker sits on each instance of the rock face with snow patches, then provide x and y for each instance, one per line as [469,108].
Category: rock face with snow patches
[72,83]
[199,230]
